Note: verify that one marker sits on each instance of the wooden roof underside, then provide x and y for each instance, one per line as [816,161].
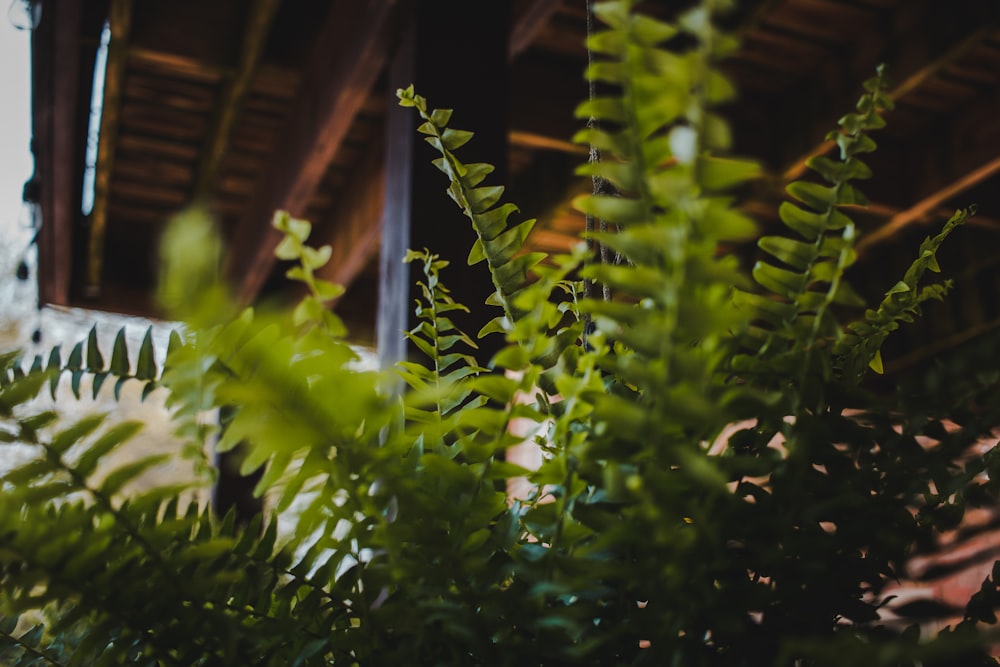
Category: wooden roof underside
[254,106]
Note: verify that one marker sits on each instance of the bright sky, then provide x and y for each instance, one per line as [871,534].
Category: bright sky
[17,298]
[16,163]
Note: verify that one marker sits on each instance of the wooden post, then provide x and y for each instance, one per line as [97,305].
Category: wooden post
[455,53]
[56,55]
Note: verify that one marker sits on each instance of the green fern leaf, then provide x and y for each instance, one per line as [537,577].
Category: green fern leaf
[145,368]
[95,360]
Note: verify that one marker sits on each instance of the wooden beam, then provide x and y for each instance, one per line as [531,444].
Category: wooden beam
[355,234]
[530,17]
[177,64]
[56,69]
[120,22]
[354,225]
[929,204]
[349,53]
[906,64]
[924,352]
[230,105]
[533,140]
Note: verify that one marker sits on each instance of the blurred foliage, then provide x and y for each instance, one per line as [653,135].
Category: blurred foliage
[718,486]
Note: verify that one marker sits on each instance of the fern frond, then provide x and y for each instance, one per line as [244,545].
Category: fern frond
[443,386]
[87,359]
[498,241]
[28,647]
[860,348]
[660,139]
[806,274]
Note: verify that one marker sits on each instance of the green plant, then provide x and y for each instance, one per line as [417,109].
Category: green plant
[718,487]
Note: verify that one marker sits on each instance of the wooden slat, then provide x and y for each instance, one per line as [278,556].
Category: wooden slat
[56,87]
[349,55]
[156,147]
[173,94]
[120,22]
[160,171]
[159,121]
[175,64]
[229,107]
[153,193]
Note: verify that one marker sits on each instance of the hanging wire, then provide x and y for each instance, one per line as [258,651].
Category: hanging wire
[600,185]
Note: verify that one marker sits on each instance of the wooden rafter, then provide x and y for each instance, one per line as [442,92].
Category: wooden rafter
[531,18]
[536,140]
[178,64]
[230,104]
[349,226]
[56,86]
[120,23]
[354,231]
[949,342]
[911,79]
[929,204]
[350,52]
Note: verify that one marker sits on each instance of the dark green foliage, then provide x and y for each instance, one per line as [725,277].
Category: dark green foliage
[718,487]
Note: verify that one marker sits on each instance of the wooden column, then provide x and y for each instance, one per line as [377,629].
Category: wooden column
[55,81]
[455,54]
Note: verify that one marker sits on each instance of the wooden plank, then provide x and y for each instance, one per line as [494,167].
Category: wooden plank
[157,147]
[55,86]
[229,107]
[349,54]
[120,22]
[175,64]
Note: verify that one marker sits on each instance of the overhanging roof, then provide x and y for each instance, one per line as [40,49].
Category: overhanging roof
[252,106]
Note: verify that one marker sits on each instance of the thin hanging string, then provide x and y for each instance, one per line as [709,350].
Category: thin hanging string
[600,185]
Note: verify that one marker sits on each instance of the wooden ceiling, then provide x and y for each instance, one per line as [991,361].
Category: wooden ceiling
[251,106]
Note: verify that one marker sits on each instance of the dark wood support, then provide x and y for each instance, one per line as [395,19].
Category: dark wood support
[350,52]
[952,33]
[353,230]
[930,204]
[456,56]
[56,91]
[120,21]
[230,105]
